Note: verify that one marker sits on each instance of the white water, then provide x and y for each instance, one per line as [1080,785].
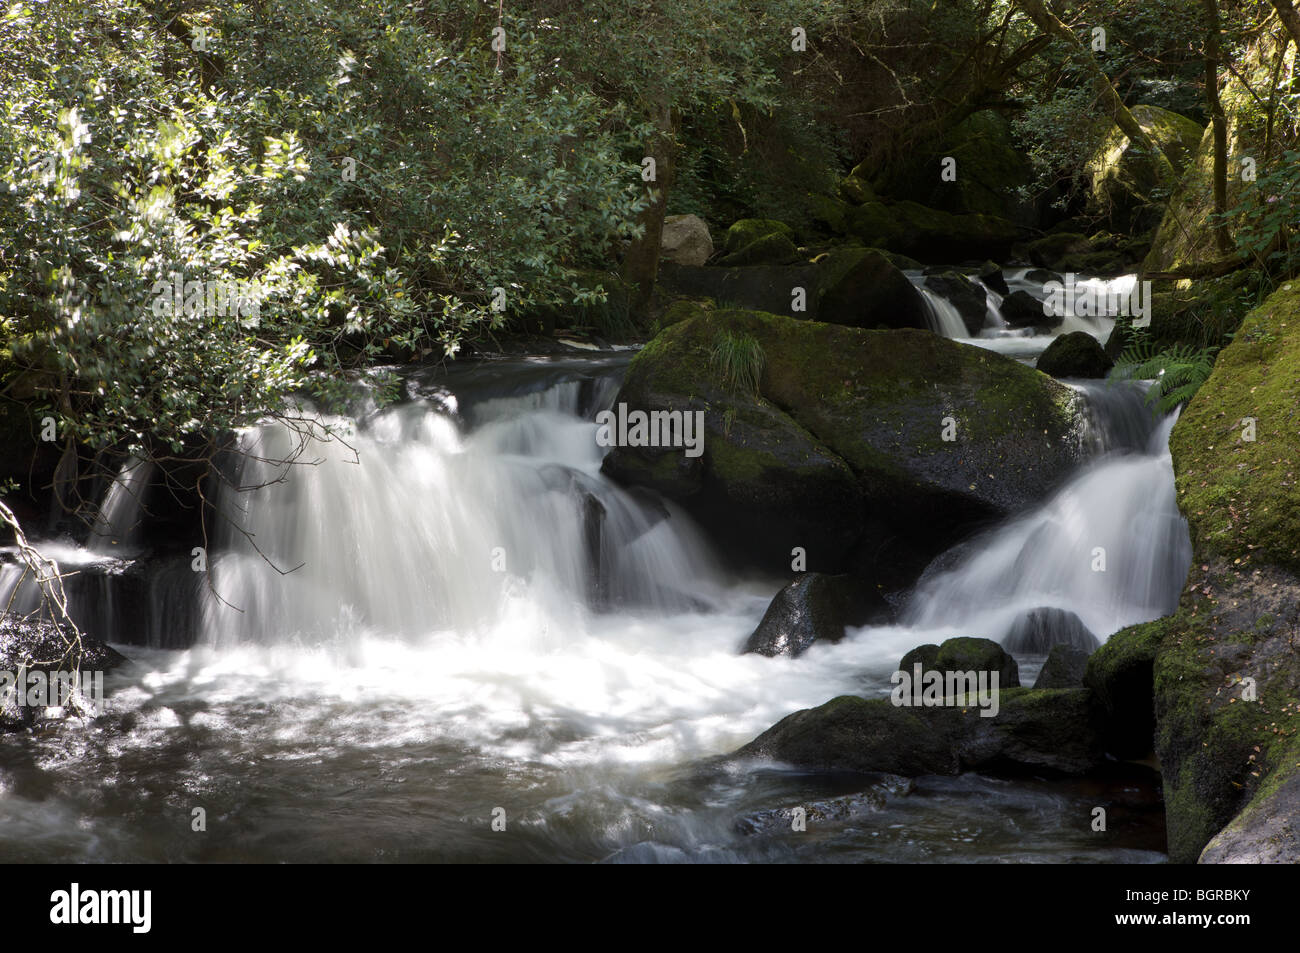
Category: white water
[397,650]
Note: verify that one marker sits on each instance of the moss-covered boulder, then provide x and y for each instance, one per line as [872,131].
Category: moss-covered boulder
[1064,668]
[854,286]
[1055,730]
[856,190]
[843,447]
[1185,236]
[931,234]
[746,231]
[1120,674]
[966,654]
[1077,354]
[862,288]
[1123,180]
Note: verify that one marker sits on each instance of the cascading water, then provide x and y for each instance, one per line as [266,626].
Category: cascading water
[464,613]
[1111,546]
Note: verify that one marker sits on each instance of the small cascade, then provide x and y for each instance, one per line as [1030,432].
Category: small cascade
[945,319]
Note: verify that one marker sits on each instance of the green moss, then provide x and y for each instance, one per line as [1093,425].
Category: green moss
[1240,496]
[749,230]
[769,249]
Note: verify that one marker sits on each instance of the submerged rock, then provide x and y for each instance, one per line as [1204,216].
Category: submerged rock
[1037,631]
[1077,354]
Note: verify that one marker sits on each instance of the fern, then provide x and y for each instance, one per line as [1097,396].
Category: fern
[739,358]
[1178,371]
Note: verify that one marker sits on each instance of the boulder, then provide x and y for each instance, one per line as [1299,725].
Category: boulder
[966,654]
[991,274]
[930,234]
[1123,180]
[1035,632]
[842,450]
[772,249]
[686,240]
[861,288]
[1020,309]
[39,645]
[1077,354]
[813,608]
[963,294]
[1064,668]
[1035,730]
[746,231]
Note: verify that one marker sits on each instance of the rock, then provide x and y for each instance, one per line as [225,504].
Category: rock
[1035,632]
[38,645]
[804,612]
[1064,668]
[1043,276]
[1036,730]
[746,231]
[967,654]
[861,288]
[1051,251]
[1077,354]
[857,191]
[842,450]
[772,249]
[1123,181]
[923,655]
[857,287]
[964,295]
[1120,676]
[1267,831]
[930,234]
[686,240]
[991,274]
[1020,309]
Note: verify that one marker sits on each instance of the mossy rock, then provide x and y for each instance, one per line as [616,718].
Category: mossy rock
[1120,674]
[1077,354]
[749,230]
[966,654]
[858,191]
[774,248]
[1064,668]
[1123,181]
[1039,730]
[850,421]
[1240,495]
[930,234]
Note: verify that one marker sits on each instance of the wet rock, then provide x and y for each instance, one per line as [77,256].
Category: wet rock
[964,295]
[991,274]
[1020,309]
[1038,630]
[814,608]
[1077,354]
[30,645]
[1064,668]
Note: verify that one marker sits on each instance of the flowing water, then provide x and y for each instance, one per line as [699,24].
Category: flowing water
[448,610]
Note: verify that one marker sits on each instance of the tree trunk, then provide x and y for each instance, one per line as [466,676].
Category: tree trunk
[1048,22]
[1222,236]
[641,263]
[1286,11]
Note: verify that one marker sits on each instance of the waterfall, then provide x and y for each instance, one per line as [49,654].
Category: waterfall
[417,522]
[1110,546]
[945,319]
[116,527]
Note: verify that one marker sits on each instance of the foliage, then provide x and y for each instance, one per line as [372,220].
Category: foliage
[739,359]
[1178,371]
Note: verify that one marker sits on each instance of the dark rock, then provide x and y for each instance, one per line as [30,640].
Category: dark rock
[991,274]
[814,608]
[1077,354]
[1043,276]
[1036,730]
[1020,309]
[1038,630]
[967,654]
[861,288]
[922,654]
[1064,668]
[1120,675]
[30,644]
